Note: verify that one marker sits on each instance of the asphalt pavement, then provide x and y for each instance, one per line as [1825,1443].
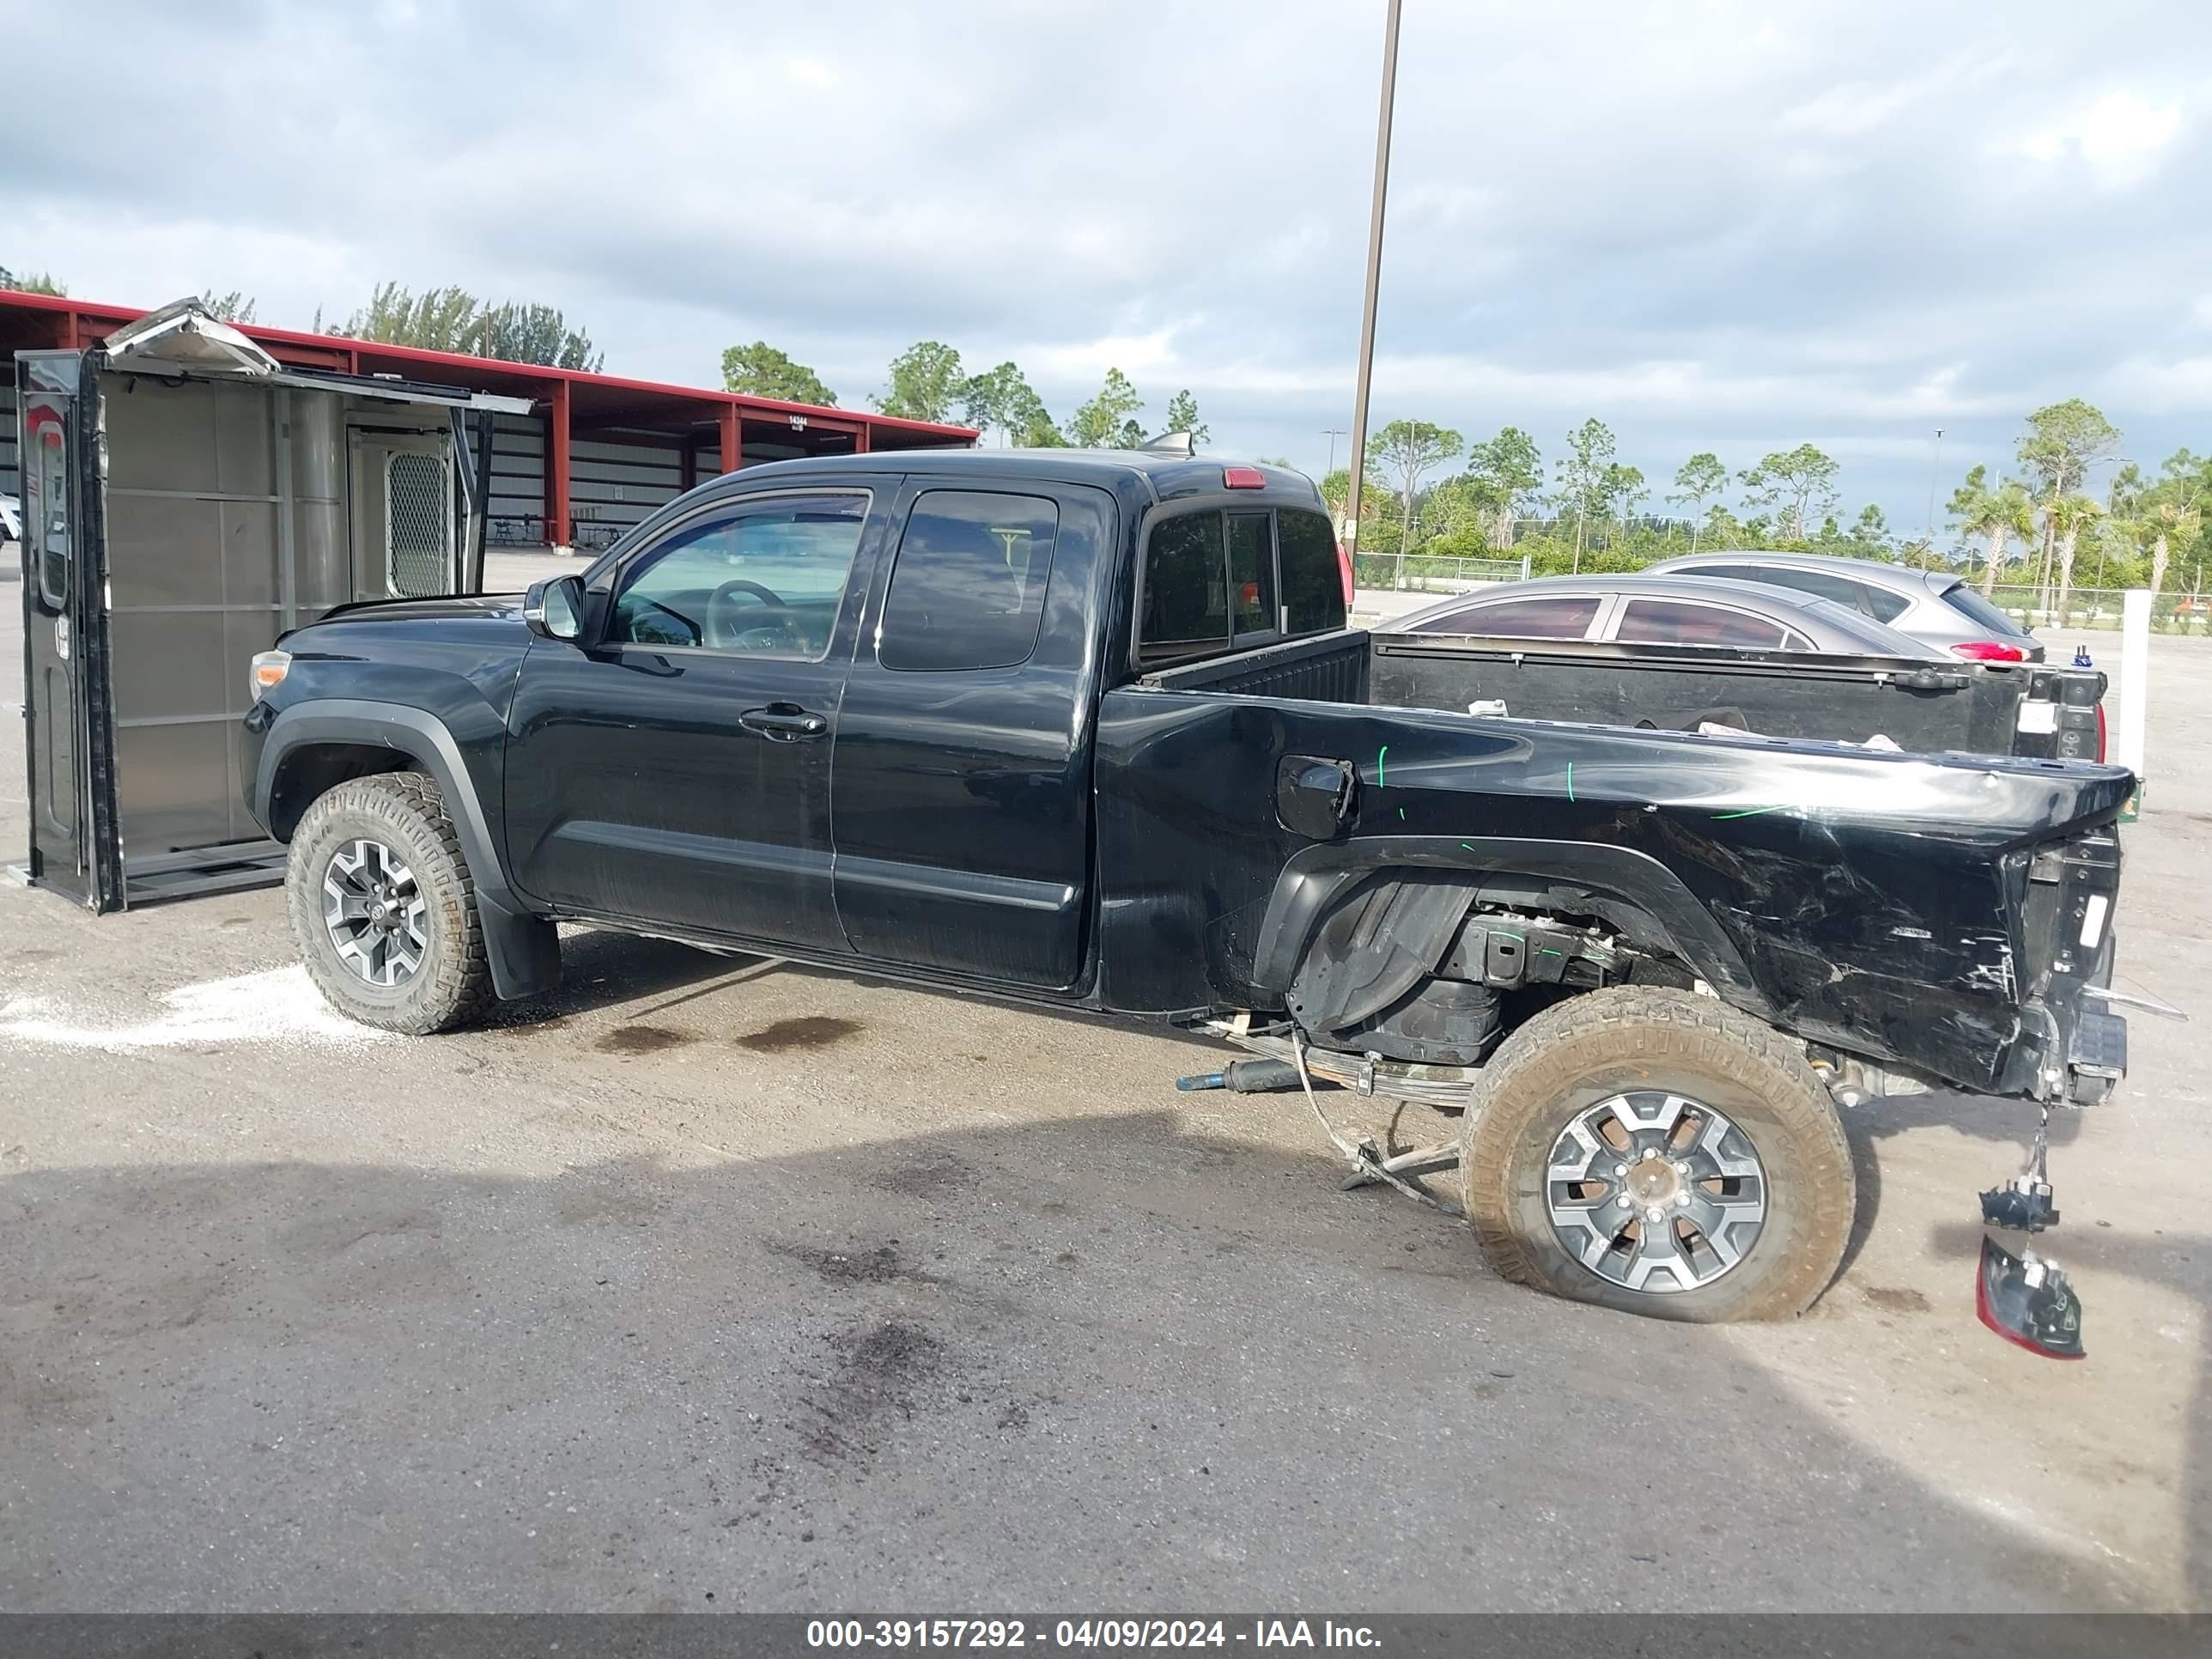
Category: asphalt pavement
[714,1283]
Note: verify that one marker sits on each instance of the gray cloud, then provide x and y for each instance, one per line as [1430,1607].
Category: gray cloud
[1713,226]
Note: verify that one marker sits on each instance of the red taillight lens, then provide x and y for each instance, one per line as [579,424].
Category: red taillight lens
[1344,566]
[2100,732]
[1242,478]
[1988,651]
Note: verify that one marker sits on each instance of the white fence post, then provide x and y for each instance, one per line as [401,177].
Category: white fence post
[2134,683]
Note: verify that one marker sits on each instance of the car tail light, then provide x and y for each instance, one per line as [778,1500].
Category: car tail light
[269,669]
[1242,478]
[1344,566]
[2100,732]
[1988,651]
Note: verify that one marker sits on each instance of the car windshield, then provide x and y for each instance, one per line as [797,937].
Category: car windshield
[1871,638]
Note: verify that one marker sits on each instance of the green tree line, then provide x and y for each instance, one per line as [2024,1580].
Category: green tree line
[2041,523]
[928,382]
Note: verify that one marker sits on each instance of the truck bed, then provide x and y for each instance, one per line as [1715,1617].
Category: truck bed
[2033,711]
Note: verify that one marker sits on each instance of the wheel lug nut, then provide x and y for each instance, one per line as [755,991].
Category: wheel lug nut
[1651,1215]
[1621,1168]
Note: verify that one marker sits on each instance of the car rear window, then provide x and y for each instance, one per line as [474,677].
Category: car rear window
[1872,638]
[967,589]
[1969,604]
[1683,622]
[1185,604]
[1215,582]
[1557,617]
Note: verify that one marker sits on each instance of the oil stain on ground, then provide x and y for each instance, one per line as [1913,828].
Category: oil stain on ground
[879,1265]
[642,1039]
[874,1371]
[808,1032]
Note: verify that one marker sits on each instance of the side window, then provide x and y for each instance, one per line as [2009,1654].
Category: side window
[768,576]
[1252,572]
[1882,604]
[47,509]
[1819,583]
[967,590]
[1185,604]
[1679,622]
[1313,580]
[1563,617]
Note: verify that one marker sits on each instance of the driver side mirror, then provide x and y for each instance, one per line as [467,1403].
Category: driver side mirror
[555,610]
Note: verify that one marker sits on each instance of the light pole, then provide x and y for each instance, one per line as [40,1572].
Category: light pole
[1373,269]
[1934,468]
[1331,433]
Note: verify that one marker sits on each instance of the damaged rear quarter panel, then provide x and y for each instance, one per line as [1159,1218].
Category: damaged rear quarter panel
[1873,897]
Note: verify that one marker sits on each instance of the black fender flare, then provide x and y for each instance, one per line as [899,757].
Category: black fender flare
[523,949]
[1317,875]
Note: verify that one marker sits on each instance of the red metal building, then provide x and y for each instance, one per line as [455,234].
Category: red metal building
[601,452]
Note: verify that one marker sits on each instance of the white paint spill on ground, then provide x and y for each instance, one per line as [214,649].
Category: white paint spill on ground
[279,1006]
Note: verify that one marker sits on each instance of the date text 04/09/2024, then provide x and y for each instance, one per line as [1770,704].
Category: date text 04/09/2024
[1086,1633]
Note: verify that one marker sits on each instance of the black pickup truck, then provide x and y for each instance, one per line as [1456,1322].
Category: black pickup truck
[1090,729]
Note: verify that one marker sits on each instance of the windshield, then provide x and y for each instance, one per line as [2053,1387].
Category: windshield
[1871,638]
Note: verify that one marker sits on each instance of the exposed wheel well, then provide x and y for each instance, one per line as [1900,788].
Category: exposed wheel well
[1429,965]
[313,770]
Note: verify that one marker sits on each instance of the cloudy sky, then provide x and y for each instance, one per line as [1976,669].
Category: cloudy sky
[1711,225]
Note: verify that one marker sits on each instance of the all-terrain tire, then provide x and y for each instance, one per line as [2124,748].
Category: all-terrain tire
[405,811]
[1579,1052]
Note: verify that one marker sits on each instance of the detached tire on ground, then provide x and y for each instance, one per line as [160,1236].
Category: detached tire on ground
[1661,1153]
[383,907]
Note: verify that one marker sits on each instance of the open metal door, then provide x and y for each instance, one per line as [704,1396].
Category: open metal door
[407,517]
[68,758]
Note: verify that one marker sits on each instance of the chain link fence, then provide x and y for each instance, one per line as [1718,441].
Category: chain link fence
[1421,573]
[2099,608]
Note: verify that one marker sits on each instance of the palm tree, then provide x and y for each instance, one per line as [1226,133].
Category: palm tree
[1998,514]
[2171,521]
[2070,516]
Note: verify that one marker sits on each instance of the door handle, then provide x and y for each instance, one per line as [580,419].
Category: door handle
[784,722]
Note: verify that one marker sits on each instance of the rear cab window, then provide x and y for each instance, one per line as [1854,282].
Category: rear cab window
[1219,580]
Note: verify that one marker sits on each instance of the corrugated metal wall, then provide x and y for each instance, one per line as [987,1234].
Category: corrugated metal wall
[11,477]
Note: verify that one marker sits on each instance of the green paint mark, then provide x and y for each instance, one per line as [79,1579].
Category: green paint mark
[1469,847]
[1401,812]
[1547,952]
[1571,779]
[1379,753]
[1753,813]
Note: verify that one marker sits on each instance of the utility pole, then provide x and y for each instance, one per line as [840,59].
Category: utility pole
[1934,468]
[1331,433]
[1374,269]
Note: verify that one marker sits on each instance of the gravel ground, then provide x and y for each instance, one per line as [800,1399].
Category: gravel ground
[713,1283]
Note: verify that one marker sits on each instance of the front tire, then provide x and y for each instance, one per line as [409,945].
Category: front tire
[1661,1153]
[383,908]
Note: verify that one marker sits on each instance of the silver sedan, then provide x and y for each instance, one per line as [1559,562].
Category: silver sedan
[1700,612]
[1935,605]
